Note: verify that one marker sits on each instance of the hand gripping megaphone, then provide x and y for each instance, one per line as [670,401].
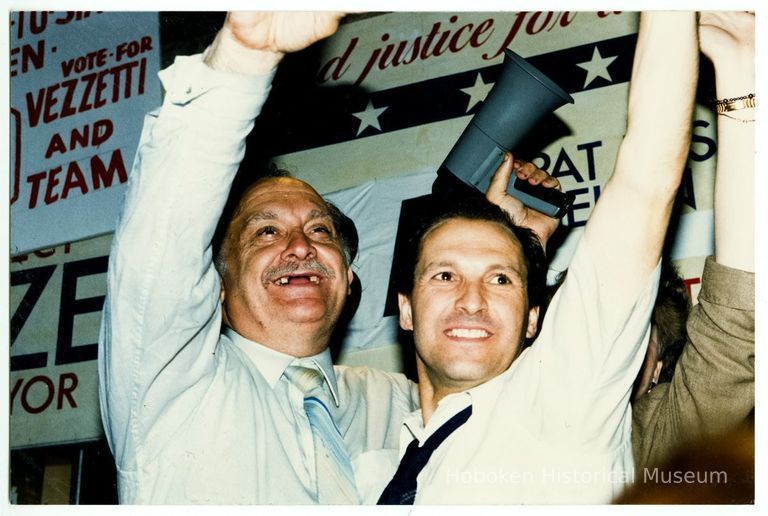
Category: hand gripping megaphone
[519,99]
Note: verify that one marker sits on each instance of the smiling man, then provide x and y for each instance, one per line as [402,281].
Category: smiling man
[551,424]
[469,304]
[216,381]
[285,271]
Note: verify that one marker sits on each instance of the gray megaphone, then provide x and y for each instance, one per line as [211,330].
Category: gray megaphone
[519,99]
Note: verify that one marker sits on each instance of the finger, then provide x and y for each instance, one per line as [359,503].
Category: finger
[551,182]
[536,176]
[548,181]
[541,177]
[498,186]
[531,173]
[525,169]
[328,23]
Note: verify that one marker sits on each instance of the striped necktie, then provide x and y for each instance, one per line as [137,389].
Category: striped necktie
[401,490]
[335,478]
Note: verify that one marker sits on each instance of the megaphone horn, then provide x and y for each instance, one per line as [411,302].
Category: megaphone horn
[519,99]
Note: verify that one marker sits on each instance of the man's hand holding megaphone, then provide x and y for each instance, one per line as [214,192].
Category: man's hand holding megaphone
[543,225]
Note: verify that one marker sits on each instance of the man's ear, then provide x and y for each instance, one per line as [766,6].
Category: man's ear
[406,316]
[657,371]
[350,278]
[533,322]
[222,297]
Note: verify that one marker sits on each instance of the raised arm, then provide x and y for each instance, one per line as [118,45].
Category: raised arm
[728,39]
[627,227]
[712,390]
[597,323]
[162,314]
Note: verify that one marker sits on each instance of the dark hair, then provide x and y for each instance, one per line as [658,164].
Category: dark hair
[473,208]
[344,226]
[670,313]
[346,229]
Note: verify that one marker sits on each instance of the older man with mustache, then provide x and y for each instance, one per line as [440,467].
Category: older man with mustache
[255,413]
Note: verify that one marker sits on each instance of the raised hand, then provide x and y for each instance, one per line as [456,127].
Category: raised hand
[254,42]
[727,38]
[541,224]
[281,31]
[726,32]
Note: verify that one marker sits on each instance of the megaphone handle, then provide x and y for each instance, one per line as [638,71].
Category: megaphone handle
[545,200]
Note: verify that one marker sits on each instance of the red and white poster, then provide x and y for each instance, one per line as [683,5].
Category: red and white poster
[80,84]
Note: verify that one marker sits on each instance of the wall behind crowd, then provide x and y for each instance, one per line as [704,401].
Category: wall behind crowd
[366,117]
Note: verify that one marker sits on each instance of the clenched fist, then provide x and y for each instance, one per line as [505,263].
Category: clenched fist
[254,42]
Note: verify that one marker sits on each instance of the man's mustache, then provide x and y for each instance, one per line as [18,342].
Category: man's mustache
[272,274]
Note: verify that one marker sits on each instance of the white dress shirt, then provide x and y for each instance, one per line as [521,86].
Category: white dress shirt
[193,415]
[555,427]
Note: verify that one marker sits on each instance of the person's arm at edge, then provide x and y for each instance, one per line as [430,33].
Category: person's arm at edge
[712,389]
[732,51]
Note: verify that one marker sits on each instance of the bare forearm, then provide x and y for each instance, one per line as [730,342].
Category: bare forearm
[627,227]
[661,99]
[734,195]
[734,182]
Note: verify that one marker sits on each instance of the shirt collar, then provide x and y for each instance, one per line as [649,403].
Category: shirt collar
[272,364]
[446,409]
[480,396]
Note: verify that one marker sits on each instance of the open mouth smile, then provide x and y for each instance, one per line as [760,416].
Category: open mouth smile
[298,279]
[468,333]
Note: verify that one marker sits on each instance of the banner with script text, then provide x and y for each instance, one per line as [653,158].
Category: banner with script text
[392,93]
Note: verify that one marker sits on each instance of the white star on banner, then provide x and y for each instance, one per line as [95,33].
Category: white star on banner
[477,92]
[597,67]
[369,117]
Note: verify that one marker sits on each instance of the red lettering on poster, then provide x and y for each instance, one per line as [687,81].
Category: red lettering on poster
[435,43]
[29,56]
[37,394]
[443,37]
[94,135]
[89,61]
[101,176]
[34,23]
[89,91]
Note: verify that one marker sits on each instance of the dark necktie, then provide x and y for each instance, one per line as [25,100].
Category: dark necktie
[401,490]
